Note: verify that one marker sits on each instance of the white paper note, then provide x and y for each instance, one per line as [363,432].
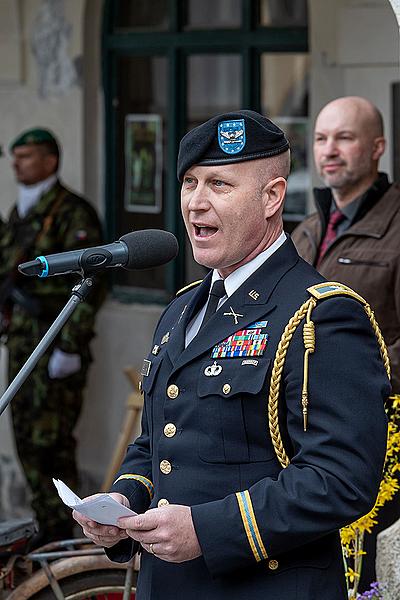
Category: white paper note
[103,509]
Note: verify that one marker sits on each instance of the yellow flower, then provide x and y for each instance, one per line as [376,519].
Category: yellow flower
[366,523]
[352,536]
[395,400]
[347,535]
[352,575]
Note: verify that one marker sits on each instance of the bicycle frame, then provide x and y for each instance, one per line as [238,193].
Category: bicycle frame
[67,563]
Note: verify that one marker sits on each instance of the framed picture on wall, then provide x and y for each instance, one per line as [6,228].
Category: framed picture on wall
[143,163]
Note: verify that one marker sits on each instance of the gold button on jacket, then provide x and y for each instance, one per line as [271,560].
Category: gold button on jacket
[226,388]
[165,467]
[273,564]
[169,430]
[162,502]
[172,391]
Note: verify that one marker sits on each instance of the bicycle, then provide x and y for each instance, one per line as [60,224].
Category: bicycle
[66,570]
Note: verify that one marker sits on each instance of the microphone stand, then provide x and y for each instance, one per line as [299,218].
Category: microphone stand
[78,294]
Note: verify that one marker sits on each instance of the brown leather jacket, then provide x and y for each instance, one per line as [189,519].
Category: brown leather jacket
[366,258]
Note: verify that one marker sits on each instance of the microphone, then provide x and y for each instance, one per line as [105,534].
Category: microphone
[136,250]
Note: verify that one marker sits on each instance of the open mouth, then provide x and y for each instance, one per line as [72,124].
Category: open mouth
[204,231]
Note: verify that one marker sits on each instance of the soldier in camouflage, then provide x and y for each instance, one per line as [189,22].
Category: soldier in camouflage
[47,218]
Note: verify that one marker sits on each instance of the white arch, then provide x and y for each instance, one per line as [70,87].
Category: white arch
[396,9]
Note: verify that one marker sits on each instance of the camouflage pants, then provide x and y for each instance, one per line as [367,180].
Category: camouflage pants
[44,414]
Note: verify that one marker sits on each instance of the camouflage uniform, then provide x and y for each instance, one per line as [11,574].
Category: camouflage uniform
[45,410]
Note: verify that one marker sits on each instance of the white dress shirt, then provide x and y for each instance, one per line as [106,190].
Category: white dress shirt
[29,195]
[232,283]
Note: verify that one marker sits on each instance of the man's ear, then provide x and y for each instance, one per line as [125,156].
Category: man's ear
[274,196]
[378,148]
[51,162]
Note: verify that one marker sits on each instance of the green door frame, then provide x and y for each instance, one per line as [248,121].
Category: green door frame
[177,45]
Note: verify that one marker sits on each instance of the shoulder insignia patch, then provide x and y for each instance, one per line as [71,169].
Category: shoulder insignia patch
[188,287]
[332,288]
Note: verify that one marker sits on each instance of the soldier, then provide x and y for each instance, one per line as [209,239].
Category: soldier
[46,219]
[258,443]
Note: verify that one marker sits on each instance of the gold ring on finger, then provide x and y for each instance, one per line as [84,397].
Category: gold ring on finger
[152,549]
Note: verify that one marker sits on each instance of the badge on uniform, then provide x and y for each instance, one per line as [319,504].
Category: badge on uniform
[236,316]
[232,136]
[146,367]
[246,342]
[254,294]
[250,361]
[213,370]
[258,324]
[165,338]
[81,235]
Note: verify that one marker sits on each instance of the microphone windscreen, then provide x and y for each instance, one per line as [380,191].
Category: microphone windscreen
[149,248]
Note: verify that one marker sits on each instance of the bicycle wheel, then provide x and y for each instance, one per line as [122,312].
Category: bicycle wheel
[106,584]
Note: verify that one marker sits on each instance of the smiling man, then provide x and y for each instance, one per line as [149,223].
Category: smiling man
[248,484]
[354,235]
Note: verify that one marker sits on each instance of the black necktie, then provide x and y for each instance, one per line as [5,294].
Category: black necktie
[216,293]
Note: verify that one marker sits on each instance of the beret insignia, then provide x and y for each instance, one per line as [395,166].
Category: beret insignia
[232,136]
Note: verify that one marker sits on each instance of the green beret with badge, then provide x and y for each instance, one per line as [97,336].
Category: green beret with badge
[36,135]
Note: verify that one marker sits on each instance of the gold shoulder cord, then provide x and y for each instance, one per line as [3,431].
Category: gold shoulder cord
[188,287]
[320,291]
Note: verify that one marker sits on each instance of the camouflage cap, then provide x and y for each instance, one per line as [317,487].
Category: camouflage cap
[36,135]
[230,138]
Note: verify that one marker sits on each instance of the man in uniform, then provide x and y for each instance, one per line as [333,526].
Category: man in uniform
[255,448]
[46,219]
[354,235]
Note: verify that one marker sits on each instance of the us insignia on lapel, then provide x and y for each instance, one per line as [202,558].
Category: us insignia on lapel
[246,342]
[253,294]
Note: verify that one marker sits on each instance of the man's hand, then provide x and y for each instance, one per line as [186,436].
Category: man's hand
[168,532]
[102,535]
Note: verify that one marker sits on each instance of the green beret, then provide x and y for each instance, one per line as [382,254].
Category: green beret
[35,136]
[230,138]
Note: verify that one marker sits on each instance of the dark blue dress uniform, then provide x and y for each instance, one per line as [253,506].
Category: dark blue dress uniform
[265,531]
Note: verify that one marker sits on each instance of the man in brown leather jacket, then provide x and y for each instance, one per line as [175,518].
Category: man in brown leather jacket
[365,254]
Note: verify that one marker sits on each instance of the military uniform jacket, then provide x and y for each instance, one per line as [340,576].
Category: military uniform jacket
[265,532]
[59,222]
